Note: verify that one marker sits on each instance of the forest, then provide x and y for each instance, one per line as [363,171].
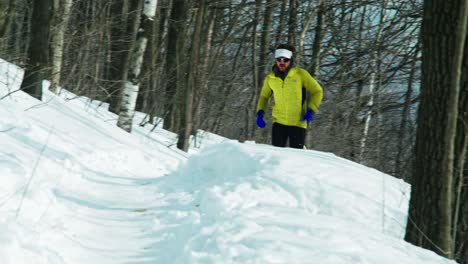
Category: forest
[394,74]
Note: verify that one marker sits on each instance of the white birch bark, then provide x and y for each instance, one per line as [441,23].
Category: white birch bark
[132,85]
[61,17]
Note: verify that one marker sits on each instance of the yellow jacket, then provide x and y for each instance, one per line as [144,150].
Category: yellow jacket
[287,95]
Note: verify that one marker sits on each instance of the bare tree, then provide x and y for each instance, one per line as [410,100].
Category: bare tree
[431,206]
[336,41]
[374,82]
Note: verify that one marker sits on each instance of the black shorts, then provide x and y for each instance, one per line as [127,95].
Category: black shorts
[281,134]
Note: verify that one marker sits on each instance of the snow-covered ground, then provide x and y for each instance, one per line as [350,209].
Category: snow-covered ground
[74,188]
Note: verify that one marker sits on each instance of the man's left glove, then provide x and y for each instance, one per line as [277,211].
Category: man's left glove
[309,116]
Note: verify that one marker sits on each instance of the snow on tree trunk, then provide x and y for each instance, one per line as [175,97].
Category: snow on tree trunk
[130,93]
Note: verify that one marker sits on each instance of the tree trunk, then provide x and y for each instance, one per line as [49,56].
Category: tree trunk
[316,53]
[123,13]
[203,77]
[292,22]
[264,62]
[431,211]
[405,115]
[38,55]
[132,84]
[282,23]
[175,36]
[461,172]
[60,21]
[318,38]
[248,125]
[374,84]
[148,89]
[187,118]
[461,243]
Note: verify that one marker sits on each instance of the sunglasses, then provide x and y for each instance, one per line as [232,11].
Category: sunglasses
[281,59]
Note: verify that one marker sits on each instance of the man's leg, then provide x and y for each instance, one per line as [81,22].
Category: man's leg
[296,137]
[279,135]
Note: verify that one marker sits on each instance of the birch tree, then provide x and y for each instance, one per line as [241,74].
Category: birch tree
[374,83]
[60,20]
[132,84]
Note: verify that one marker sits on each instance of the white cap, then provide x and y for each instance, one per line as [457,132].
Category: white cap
[283,53]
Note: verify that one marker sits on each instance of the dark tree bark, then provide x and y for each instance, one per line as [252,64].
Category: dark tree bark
[292,22]
[203,76]
[430,220]
[187,107]
[123,14]
[318,38]
[317,53]
[37,68]
[175,36]
[405,115]
[263,65]
[279,37]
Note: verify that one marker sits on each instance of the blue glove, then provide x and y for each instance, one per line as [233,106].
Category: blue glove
[309,116]
[260,122]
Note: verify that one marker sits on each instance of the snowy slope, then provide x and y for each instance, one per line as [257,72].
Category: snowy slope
[74,188]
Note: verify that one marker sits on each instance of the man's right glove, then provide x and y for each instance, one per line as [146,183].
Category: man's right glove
[260,122]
